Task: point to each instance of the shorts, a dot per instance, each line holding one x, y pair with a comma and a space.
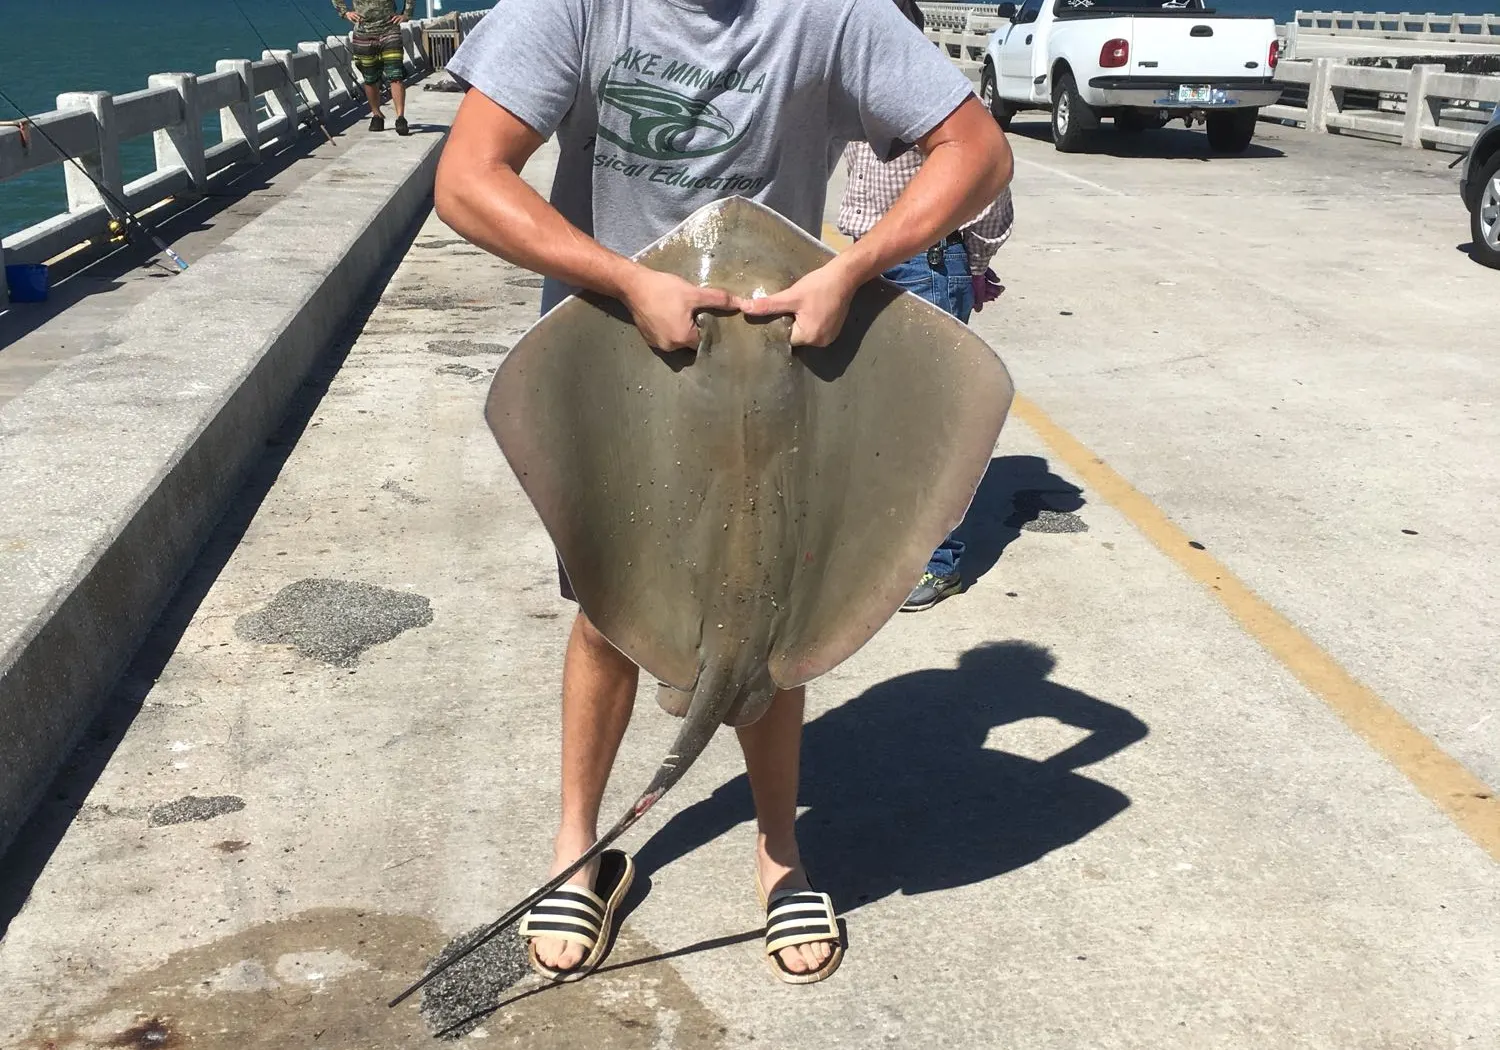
379, 53
564, 585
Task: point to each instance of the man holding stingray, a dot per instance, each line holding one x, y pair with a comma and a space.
660, 107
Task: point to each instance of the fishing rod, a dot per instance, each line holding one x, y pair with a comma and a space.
312, 112
115, 203
308, 19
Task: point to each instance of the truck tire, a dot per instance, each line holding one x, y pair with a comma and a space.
990, 96
1231, 131
1484, 220
1072, 117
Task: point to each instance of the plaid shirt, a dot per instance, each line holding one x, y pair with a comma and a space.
873, 187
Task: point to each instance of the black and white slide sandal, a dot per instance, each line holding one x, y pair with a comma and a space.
800, 917
581, 916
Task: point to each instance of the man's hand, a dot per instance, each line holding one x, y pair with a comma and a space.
818, 303
353, 16
663, 306
987, 287
399, 17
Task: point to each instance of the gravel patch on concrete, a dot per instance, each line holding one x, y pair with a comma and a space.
458, 1000
334, 621
192, 808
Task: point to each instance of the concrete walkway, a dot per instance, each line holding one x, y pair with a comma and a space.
1086, 804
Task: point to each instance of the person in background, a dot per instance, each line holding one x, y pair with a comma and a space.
953, 274
376, 42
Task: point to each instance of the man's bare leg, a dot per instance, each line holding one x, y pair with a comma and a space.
598, 692
398, 97
372, 95
772, 748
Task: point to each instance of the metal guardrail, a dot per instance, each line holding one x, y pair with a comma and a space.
258, 112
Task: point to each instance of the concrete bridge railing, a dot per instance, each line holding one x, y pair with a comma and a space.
258, 108
1402, 26
1481, 32
1427, 106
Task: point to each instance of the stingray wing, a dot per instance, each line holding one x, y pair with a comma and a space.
638, 466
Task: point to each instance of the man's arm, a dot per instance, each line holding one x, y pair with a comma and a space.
481, 195
985, 235
967, 163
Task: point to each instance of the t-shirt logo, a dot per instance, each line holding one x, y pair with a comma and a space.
665, 124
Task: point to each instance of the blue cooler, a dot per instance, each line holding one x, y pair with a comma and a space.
27, 282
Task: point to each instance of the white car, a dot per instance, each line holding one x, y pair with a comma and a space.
1141, 62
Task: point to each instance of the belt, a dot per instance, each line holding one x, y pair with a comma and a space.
936, 252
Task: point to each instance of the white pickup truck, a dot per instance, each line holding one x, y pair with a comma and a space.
1141, 62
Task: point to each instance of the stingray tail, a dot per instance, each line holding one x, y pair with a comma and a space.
703, 718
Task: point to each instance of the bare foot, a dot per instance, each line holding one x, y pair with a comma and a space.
781, 869
565, 955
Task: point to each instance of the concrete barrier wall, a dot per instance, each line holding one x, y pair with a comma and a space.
115, 467
1380, 25
259, 105
1424, 111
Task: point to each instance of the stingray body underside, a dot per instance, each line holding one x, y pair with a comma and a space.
747, 512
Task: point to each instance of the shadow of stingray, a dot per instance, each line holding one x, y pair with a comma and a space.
1011, 495
903, 795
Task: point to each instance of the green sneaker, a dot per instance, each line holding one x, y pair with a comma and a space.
930, 590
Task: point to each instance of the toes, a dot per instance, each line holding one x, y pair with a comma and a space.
559, 955
805, 958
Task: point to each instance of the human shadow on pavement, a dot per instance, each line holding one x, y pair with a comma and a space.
1015, 492
903, 795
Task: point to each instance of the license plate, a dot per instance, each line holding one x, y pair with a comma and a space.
1195, 93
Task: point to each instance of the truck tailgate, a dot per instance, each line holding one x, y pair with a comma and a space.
1200, 48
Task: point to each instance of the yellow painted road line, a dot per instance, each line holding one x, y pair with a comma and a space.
1458, 793
1466, 799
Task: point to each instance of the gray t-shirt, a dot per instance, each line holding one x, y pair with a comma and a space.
663, 106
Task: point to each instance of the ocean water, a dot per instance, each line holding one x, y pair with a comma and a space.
113, 45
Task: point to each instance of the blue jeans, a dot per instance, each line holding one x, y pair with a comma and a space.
950, 290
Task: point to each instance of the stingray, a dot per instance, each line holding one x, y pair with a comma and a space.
742, 517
